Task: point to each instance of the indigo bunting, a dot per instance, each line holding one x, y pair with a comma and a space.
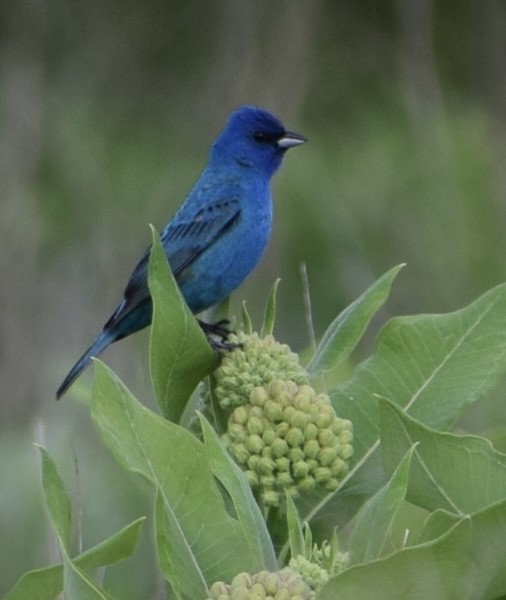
218, 234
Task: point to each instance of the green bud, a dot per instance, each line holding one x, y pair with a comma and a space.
254, 444
252, 478
338, 467
310, 431
284, 479
258, 396
240, 453
271, 583
294, 437
283, 463
326, 456
299, 419
267, 481
242, 579
237, 432
346, 436
279, 448
273, 411
307, 483
269, 436
324, 420
288, 414
331, 484
257, 592
271, 498
255, 425
322, 474
311, 449
253, 461
326, 438
219, 589
265, 466
282, 429
295, 454
346, 452
300, 469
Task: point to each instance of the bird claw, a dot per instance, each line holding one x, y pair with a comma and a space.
217, 335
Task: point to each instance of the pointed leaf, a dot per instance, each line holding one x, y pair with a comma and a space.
374, 521
439, 570
78, 586
235, 483
461, 474
175, 462
435, 366
179, 353
177, 559
57, 501
270, 311
346, 330
295, 534
45, 584
487, 552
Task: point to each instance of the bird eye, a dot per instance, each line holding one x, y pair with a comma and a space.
260, 136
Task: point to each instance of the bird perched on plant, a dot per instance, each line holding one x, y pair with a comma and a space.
218, 234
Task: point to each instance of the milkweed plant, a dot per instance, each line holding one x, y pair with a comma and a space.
272, 482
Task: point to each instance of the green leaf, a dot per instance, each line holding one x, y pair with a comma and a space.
270, 311
439, 570
57, 501
177, 559
175, 462
77, 585
45, 584
461, 474
347, 329
435, 367
373, 525
180, 356
235, 483
487, 551
39, 584
295, 534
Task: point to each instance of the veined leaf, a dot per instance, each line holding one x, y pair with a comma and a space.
433, 367
374, 521
346, 330
439, 570
179, 354
190, 505
460, 474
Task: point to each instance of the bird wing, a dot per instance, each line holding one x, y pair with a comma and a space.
184, 239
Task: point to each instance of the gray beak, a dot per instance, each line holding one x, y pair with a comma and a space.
290, 139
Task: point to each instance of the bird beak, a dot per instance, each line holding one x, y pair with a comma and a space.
290, 139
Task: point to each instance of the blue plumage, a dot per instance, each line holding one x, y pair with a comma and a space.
218, 234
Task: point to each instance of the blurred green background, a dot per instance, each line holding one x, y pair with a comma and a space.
107, 112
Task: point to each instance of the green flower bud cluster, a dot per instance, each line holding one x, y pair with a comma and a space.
288, 437
256, 363
282, 585
313, 574
330, 558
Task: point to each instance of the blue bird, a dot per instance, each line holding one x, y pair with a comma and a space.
219, 233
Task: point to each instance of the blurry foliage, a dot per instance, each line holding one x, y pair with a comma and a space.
106, 114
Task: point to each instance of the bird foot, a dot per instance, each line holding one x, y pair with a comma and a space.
217, 335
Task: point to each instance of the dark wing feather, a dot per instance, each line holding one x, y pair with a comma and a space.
183, 241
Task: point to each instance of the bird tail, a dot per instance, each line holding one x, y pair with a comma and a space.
98, 346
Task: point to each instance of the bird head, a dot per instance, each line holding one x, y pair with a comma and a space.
256, 139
